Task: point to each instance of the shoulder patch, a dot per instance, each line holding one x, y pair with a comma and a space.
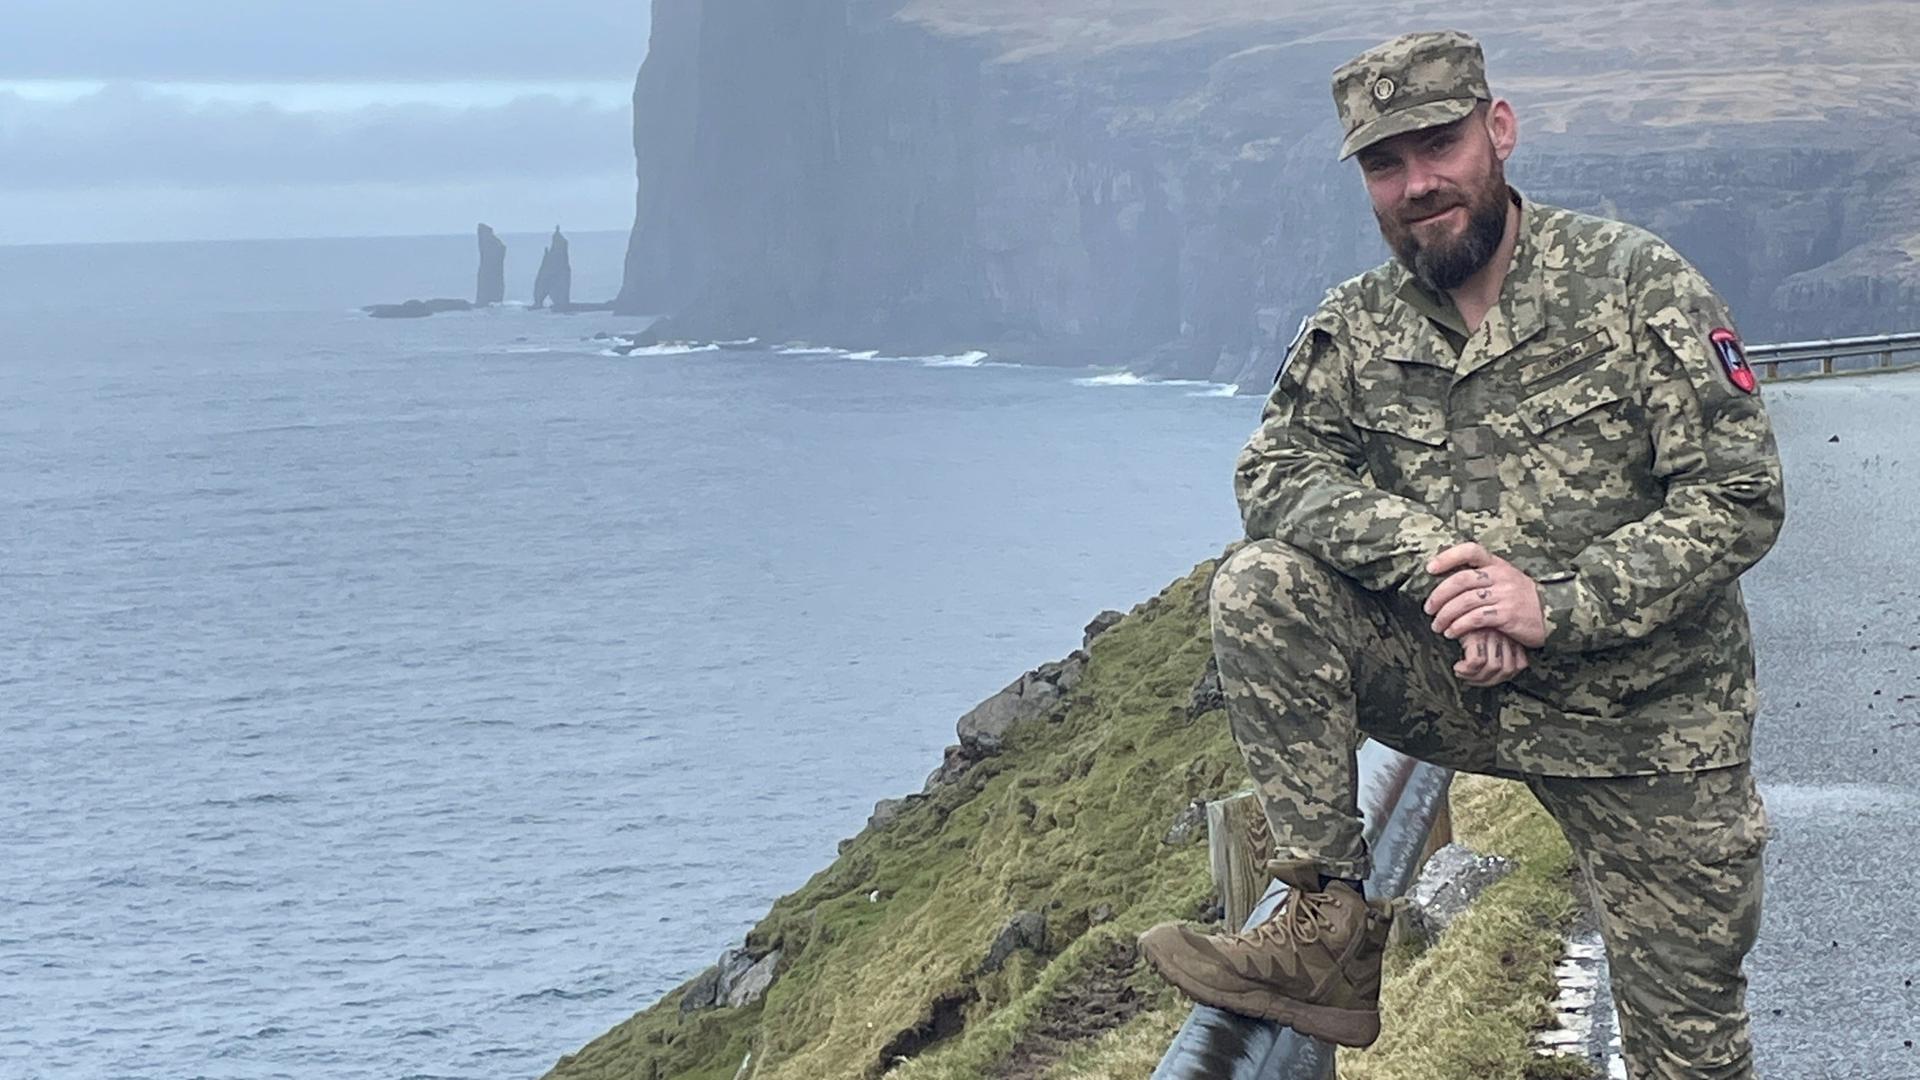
1293, 346
1733, 359
1317, 319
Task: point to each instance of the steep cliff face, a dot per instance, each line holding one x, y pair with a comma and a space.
1147, 183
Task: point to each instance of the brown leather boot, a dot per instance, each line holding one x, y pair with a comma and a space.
1314, 965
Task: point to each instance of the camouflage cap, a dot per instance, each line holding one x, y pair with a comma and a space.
1414, 81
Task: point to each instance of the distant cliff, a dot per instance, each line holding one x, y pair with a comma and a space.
1152, 182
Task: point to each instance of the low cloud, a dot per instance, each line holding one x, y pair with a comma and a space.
254, 40
130, 135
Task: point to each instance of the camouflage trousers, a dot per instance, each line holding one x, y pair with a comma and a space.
1310, 661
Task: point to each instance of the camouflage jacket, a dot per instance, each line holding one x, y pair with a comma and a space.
1590, 435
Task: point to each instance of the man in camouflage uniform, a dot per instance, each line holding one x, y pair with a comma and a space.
1497, 505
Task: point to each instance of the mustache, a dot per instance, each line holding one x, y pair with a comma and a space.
1429, 206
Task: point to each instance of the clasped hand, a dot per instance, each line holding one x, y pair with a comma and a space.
1491, 607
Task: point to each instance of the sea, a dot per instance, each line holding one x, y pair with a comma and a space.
387, 699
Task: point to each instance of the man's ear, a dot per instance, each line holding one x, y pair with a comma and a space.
1503, 128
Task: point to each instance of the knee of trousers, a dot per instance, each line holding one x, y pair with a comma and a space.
1269, 581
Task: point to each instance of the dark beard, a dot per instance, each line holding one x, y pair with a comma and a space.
1447, 265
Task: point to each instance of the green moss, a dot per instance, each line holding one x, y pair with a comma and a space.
1068, 819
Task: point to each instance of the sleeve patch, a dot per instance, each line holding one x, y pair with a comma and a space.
1293, 346
1733, 360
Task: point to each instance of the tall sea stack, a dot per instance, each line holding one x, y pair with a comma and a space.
555, 278
491, 288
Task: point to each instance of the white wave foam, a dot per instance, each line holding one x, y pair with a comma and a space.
516, 350
1114, 378
810, 350
671, 348
1217, 390
1128, 378
741, 341
966, 359
870, 354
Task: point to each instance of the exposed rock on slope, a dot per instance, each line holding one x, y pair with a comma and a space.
1152, 183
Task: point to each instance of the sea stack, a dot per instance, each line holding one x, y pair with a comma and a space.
555, 277
491, 287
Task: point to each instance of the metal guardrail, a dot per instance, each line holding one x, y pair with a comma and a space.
1836, 356
1399, 797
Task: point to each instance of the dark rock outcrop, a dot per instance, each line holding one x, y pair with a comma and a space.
737, 980
1100, 624
416, 309
1153, 183
1026, 930
554, 280
490, 286
1208, 694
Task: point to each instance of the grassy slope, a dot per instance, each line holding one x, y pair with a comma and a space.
1067, 820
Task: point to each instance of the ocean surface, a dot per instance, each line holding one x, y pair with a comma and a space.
421, 698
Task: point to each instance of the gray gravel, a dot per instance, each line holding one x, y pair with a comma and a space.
1836, 610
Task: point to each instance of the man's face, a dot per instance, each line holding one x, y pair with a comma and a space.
1440, 195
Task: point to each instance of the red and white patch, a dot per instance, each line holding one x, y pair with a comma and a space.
1733, 360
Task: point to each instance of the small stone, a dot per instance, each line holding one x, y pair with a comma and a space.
752, 984
702, 994
1452, 879
885, 811
1026, 930
1101, 623
1191, 823
1207, 693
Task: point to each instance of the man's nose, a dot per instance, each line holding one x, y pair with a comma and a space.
1422, 181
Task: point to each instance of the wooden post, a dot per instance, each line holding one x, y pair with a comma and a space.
1238, 847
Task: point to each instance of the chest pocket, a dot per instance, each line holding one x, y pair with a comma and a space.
1402, 422
1549, 410
1590, 450
1419, 420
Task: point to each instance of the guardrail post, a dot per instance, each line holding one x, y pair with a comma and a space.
1238, 847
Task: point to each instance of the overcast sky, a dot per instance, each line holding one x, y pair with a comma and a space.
197, 119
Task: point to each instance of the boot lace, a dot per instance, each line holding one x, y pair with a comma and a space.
1304, 918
